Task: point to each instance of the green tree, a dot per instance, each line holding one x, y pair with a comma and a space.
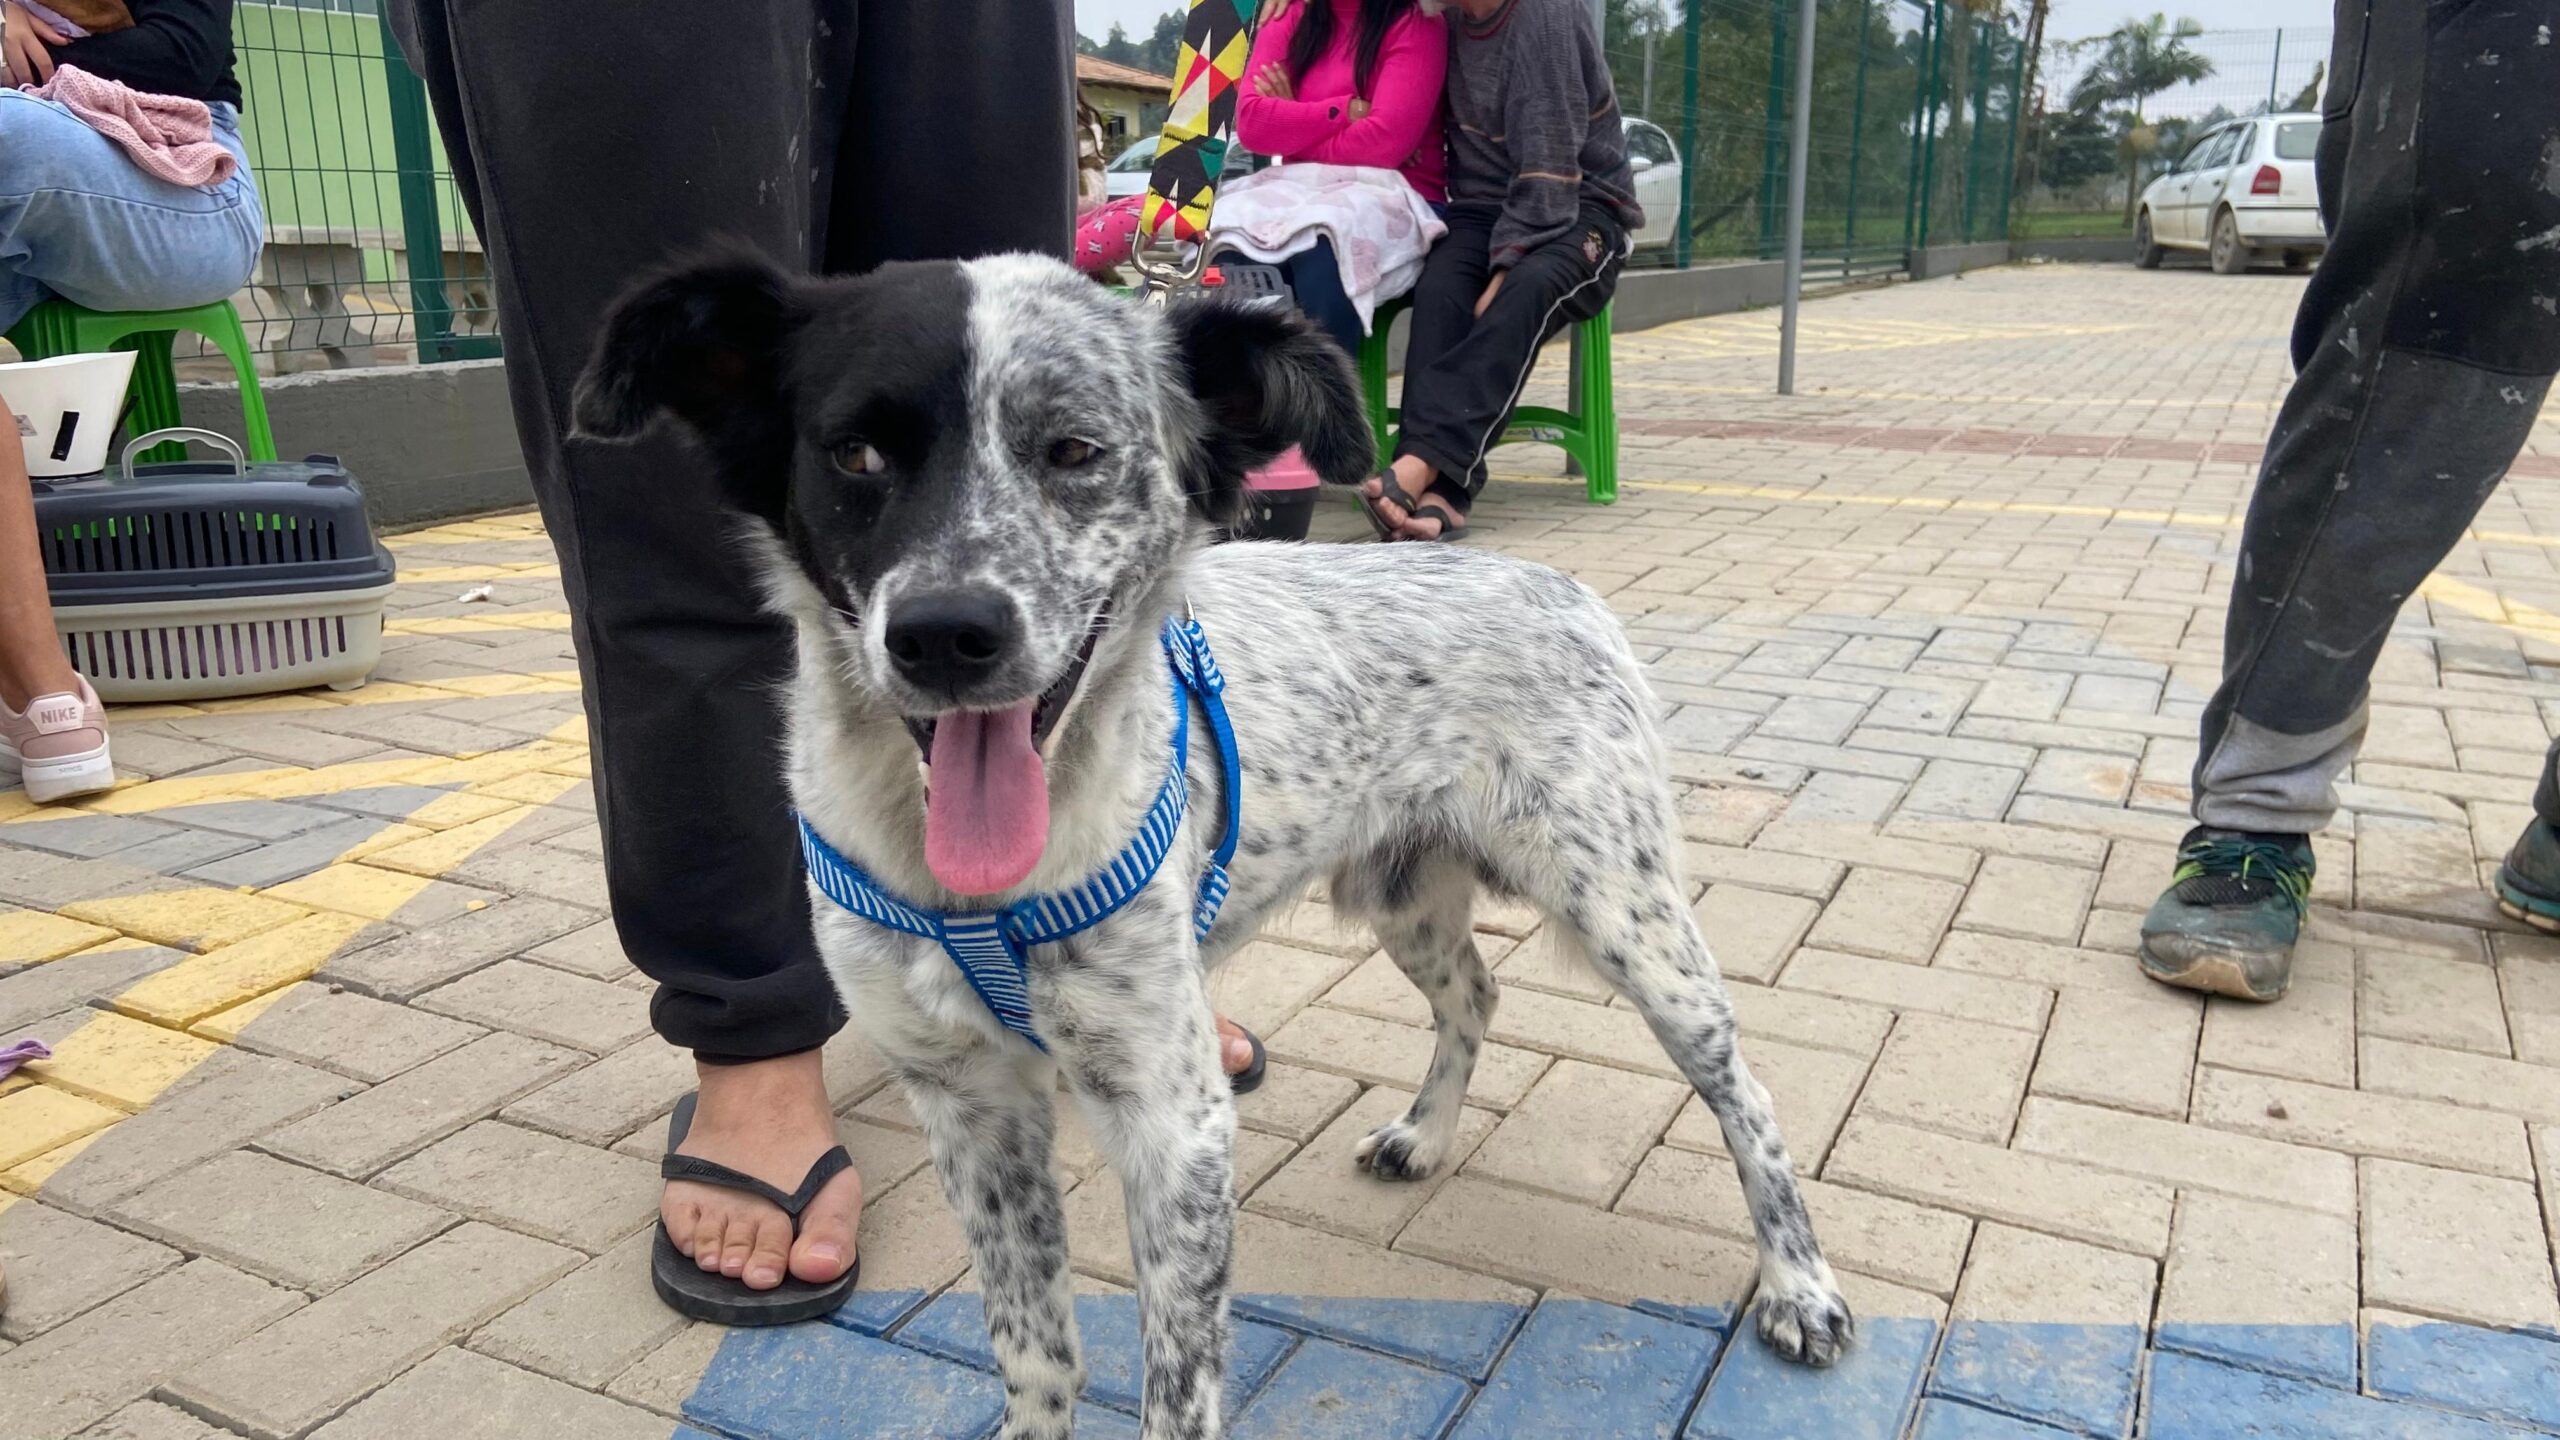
2138, 60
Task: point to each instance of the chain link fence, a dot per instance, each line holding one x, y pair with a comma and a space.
371, 260
1915, 124
2083, 164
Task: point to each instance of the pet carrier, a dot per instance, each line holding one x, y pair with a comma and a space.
194, 581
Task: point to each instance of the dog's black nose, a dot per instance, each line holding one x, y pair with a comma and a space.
946, 640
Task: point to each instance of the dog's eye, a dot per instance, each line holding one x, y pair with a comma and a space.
1074, 454
856, 457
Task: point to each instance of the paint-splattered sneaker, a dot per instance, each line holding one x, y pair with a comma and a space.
2228, 920
2528, 884
57, 746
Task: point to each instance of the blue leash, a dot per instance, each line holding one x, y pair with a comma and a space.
991, 946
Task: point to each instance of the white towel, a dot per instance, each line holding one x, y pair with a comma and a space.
1379, 227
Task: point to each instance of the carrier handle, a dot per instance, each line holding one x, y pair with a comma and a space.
214, 438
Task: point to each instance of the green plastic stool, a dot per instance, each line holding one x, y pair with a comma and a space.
58, 327
1588, 432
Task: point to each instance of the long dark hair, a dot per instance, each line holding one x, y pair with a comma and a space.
1315, 35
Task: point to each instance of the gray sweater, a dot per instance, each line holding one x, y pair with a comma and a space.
1534, 123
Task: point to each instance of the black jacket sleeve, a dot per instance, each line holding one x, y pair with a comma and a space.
175, 47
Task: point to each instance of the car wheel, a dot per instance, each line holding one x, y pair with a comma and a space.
2146, 251
2230, 256
2298, 259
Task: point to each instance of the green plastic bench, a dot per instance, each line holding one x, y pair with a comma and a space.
1588, 432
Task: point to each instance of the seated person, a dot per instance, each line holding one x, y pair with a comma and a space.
1347, 82
80, 215
1541, 205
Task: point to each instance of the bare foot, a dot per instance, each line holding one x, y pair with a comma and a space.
768, 1119
1414, 476
1234, 1051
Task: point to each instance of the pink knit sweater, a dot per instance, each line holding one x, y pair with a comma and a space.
1401, 132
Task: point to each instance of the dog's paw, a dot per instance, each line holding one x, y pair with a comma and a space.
1397, 1151
1807, 1322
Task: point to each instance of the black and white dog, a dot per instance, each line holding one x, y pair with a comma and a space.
979, 490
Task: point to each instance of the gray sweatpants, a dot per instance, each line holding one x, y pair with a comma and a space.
2425, 346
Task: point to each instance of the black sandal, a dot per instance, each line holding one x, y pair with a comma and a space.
1422, 507
701, 1294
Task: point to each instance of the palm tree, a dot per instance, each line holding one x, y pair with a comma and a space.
2138, 60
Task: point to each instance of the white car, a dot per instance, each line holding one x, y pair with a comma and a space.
2246, 186
1650, 153
1656, 162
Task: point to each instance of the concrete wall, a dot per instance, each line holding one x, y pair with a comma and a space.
433, 441
1942, 260
426, 441
2097, 249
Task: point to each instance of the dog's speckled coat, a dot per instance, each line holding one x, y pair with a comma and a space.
1417, 723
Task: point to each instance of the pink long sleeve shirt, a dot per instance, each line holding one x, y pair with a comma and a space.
1402, 131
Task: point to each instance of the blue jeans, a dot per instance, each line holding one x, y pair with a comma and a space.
80, 220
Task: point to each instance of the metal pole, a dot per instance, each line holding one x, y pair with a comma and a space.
2017, 109
1919, 95
1773, 129
1688, 132
2273, 71
1857, 143
413, 151
1799, 143
1929, 155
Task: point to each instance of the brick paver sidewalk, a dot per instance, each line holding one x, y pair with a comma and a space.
355, 1109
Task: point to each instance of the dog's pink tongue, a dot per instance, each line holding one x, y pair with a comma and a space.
987, 814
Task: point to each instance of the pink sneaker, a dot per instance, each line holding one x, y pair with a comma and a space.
58, 747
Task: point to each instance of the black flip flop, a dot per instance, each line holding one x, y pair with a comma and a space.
701, 1294
1249, 1079
1418, 507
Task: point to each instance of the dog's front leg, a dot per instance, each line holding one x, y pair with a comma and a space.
988, 1112
1145, 1066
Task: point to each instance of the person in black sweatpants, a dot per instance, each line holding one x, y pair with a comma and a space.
592, 142
1540, 204
2426, 345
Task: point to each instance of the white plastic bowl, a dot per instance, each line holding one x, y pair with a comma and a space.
66, 409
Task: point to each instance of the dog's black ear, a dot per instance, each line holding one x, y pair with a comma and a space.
1267, 379
701, 341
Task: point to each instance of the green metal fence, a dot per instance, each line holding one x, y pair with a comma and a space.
369, 257
371, 260
1914, 124
2080, 163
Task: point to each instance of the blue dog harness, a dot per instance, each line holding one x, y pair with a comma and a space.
991, 946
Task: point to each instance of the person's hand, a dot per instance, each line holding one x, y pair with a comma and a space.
1486, 299
1273, 81
25, 39
1359, 107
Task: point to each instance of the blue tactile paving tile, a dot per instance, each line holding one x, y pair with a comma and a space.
821, 1382
2323, 1353
1593, 1371
1867, 1396
1333, 1392
2077, 1376
1460, 1336
2195, 1399
2497, 1373
1949, 1420
955, 1327
872, 1312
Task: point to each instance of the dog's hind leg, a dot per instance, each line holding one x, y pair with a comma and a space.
1422, 910
1634, 923
989, 1114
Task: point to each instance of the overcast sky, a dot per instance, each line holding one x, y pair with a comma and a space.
2071, 20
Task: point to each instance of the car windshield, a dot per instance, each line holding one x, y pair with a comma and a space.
1137, 158
2297, 140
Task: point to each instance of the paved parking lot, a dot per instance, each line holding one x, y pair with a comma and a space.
353, 1118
